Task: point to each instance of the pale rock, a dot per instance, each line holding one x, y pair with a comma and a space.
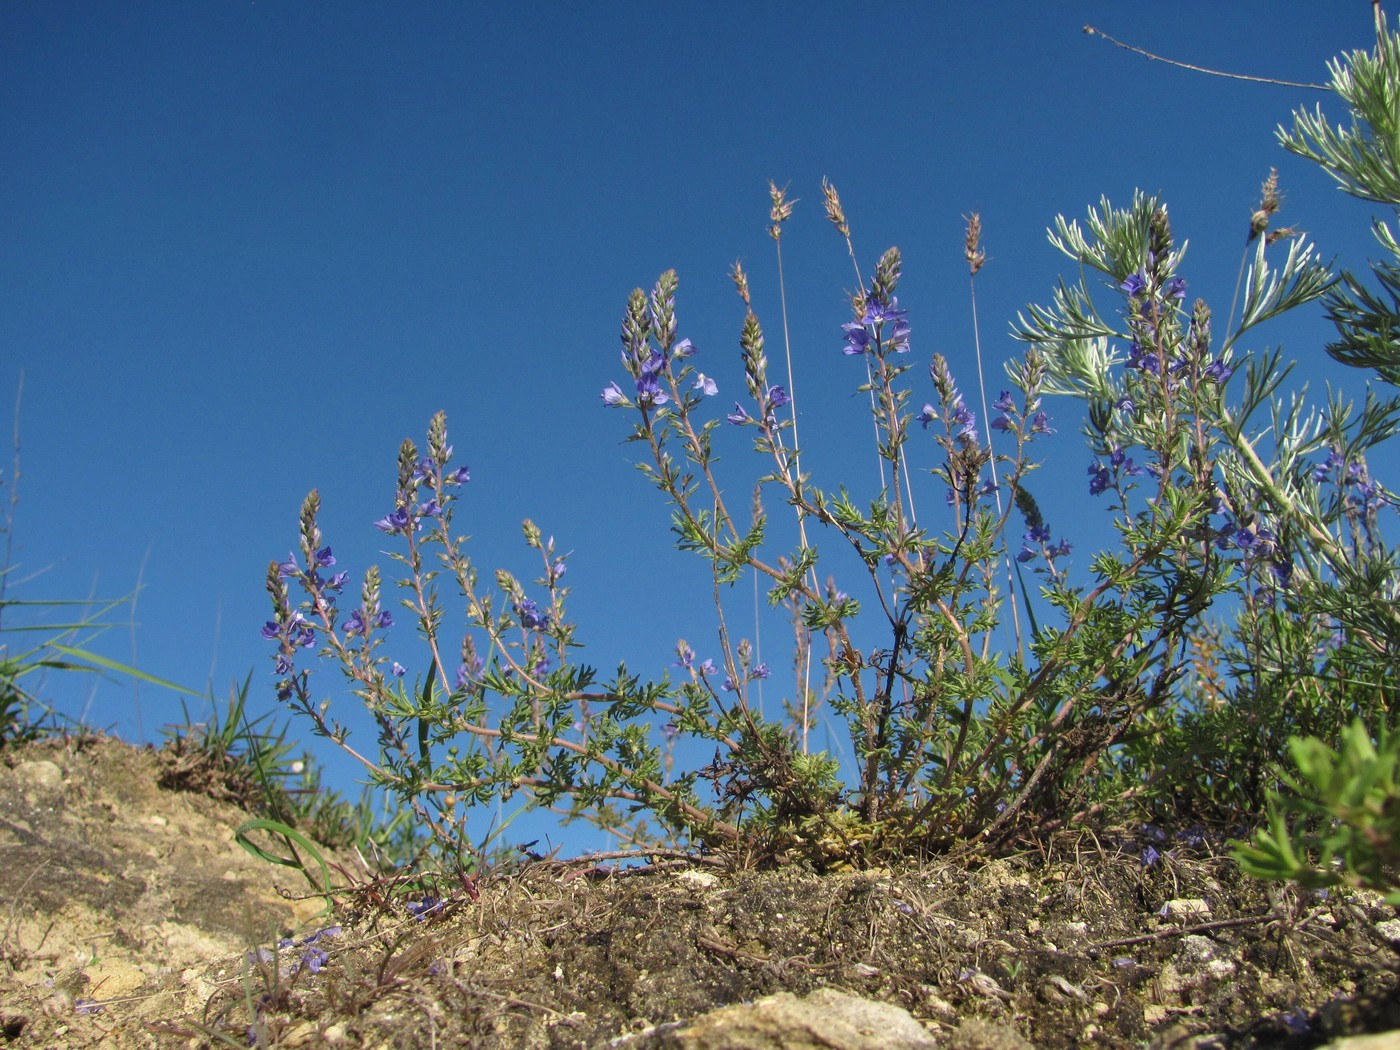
824, 1020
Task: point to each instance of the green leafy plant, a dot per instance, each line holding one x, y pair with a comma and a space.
1346, 809
1227, 495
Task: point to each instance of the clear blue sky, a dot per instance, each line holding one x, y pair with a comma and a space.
247, 247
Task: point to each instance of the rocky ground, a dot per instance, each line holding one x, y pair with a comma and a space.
129, 917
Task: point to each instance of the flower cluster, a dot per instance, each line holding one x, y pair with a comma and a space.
757, 674
408, 513
1104, 476
685, 660
1036, 539
1363, 496
1260, 545
1011, 421
647, 319
867, 334
359, 622
291, 628
313, 955
531, 618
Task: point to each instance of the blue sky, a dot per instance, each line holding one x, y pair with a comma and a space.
248, 247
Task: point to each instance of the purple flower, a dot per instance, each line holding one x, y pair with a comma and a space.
354, 625
1150, 856
1145, 361
288, 568
613, 395
857, 338
429, 905
708, 667
686, 654
739, 417
1135, 285
1175, 288
325, 558
730, 686
649, 391
314, 959
1004, 402
384, 619
399, 521
760, 672
928, 415
460, 476
878, 312
1100, 478
271, 631
683, 349
899, 342
964, 420
1218, 371
530, 616
706, 385
398, 669
777, 396
1001, 423
466, 676
1120, 461
1040, 424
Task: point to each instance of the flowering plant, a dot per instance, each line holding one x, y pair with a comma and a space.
987, 709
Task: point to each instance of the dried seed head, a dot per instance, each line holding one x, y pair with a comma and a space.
972, 250
1269, 201
781, 210
1274, 236
741, 282
834, 211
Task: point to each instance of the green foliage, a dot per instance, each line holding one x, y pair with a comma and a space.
1347, 817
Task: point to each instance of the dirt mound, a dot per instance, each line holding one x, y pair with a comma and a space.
116, 892
131, 918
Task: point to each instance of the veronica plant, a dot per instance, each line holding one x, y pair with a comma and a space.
1225, 495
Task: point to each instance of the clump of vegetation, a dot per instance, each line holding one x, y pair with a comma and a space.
1020, 684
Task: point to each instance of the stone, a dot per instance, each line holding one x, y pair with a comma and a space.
824, 1020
